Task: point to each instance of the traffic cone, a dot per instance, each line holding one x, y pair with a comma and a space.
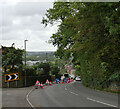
68, 81
61, 81
50, 83
41, 85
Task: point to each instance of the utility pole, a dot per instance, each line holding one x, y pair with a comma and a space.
25, 60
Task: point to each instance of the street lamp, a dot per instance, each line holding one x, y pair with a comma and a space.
25, 60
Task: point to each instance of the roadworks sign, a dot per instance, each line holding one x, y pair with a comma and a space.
47, 81
37, 83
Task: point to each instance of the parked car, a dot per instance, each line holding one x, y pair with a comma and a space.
78, 78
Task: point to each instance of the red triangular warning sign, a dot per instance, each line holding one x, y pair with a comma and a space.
37, 83
47, 81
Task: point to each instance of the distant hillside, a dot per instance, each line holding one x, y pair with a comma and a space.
40, 56
39, 53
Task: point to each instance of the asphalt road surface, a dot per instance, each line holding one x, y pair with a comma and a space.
71, 95
58, 95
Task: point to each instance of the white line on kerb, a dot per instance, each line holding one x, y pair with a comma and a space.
101, 102
27, 98
73, 93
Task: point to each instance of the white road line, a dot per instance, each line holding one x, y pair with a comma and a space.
65, 88
27, 98
102, 102
73, 93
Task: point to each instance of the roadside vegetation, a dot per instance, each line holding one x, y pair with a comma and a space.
90, 34
12, 62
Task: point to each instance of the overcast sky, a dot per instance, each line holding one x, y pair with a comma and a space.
21, 19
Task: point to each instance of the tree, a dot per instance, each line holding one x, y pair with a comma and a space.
11, 58
45, 67
90, 32
55, 70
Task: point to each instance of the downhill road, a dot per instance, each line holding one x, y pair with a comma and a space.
71, 95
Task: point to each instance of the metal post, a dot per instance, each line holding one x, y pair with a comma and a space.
16, 84
8, 84
25, 61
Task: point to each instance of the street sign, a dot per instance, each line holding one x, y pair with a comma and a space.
47, 81
11, 77
37, 83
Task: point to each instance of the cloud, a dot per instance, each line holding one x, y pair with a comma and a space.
22, 20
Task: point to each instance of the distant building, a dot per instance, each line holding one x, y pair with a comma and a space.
30, 63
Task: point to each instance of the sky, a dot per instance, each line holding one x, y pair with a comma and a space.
21, 20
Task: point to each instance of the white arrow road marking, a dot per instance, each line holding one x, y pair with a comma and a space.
16, 76
101, 102
9, 77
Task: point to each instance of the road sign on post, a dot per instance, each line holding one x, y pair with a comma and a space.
37, 83
11, 77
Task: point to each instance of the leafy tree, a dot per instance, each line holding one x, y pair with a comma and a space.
54, 70
11, 58
90, 32
45, 67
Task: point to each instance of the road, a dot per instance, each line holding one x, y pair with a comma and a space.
59, 95
71, 95
0, 98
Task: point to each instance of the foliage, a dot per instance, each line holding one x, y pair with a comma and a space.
54, 70
90, 32
11, 58
45, 68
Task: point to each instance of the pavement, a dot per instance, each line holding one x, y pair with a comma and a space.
59, 95
15, 97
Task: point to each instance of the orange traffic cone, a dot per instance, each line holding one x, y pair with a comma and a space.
41, 85
68, 81
50, 83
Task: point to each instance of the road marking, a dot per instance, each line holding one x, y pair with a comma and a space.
65, 88
102, 102
73, 93
27, 98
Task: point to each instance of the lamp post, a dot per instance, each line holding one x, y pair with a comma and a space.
25, 60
